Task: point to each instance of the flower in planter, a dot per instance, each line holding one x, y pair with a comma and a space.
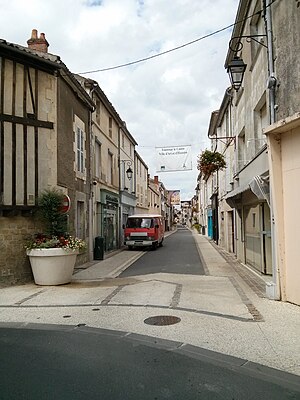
55, 225
67, 242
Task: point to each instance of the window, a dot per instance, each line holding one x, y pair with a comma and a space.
110, 127
123, 141
98, 159
241, 150
80, 150
256, 28
261, 120
140, 223
98, 110
253, 220
110, 168
80, 220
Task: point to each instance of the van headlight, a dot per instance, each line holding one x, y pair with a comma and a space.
150, 237
127, 238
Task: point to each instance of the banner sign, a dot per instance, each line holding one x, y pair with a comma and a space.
174, 197
173, 158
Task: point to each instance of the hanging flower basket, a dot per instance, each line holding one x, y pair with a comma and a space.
209, 162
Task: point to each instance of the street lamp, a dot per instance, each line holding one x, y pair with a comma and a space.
128, 171
236, 70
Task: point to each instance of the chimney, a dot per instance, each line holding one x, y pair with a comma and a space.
156, 179
38, 44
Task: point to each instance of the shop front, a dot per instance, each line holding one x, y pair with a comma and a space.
127, 207
109, 223
253, 224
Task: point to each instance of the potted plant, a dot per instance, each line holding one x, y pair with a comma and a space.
53, 253
210, 161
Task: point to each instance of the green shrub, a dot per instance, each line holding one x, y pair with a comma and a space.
49, 211
198, 227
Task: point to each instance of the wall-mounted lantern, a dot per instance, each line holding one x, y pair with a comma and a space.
236, 68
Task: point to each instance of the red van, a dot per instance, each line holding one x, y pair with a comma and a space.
144, 230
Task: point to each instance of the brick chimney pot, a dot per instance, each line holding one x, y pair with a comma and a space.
38, 44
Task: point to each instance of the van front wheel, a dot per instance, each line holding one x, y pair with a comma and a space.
154, 246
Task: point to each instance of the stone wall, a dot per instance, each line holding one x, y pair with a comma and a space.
14, 264
286, 22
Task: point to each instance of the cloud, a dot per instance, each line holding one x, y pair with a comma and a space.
94, 3
165, 101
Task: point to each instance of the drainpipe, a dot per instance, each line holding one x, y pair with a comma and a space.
273, 288
120, 196
91, 191
272, 79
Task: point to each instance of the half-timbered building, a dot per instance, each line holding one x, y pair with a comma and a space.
45, 119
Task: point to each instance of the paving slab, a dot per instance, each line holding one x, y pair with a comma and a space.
218, 312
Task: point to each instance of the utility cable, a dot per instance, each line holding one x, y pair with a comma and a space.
174, 48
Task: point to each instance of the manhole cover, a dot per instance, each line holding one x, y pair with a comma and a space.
161, 320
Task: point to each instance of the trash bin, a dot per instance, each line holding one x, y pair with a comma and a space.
99, 248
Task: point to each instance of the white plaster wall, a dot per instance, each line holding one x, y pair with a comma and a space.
141, 185
290, 146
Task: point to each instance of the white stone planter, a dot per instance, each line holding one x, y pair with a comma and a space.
52, 266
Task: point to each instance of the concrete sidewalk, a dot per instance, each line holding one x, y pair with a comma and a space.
224, 311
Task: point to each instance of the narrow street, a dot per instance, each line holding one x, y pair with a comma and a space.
179, 321
149, 183
178, 255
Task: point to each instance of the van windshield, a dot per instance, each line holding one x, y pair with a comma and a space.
139, 223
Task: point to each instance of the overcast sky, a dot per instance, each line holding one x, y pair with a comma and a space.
165, 101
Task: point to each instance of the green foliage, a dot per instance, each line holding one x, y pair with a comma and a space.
50, 202
210, 161
55, 225
197, 227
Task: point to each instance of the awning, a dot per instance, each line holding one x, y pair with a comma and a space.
259, 186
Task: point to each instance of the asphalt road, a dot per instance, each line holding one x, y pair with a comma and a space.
179, 255
87, 363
